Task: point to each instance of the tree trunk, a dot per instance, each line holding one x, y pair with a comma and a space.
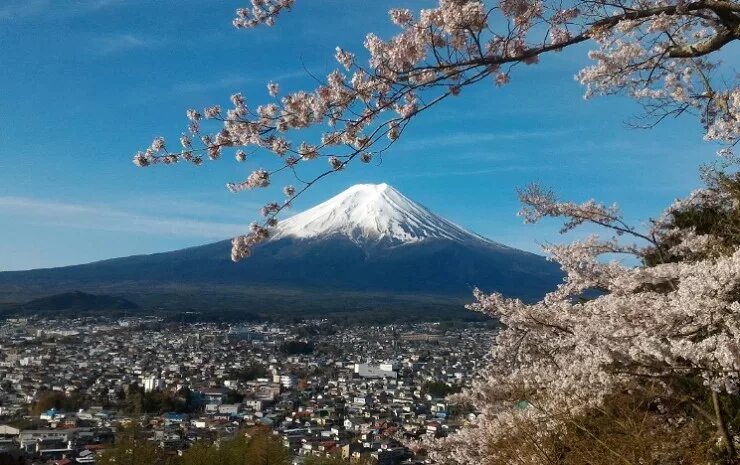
722, 428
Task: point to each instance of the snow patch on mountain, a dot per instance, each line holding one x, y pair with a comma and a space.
372, 213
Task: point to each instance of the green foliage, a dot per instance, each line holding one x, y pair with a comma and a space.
307, 331
256, 447
250, 372
138, 402
326, 461
264, 448
439, 389
20, 423
234, 397
297, 348
227, 303
336, 460
632, 427
57, 400
132, 447
201, 452
720, 220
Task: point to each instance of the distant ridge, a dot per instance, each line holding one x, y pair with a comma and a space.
76, 301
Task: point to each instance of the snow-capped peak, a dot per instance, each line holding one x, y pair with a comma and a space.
368, 213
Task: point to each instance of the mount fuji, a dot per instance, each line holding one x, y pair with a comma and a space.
371, 214
367, 245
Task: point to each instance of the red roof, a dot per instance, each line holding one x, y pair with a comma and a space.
329, 444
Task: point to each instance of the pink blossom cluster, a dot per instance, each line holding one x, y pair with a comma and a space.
539, 203
258, 178
688, 243
662, 59
261, 12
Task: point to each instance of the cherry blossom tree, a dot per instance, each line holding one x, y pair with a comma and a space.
676, 320
660, 52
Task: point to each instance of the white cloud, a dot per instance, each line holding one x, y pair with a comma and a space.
232, 81
121, 42
205, 86
444, 172
23, 9
96, 217
464, 138
20, 9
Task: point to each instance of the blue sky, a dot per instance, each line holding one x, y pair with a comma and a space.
86, 83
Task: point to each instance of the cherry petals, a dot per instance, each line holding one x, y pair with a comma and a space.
262, 12
273, 89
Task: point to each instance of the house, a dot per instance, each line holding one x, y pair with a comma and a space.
214, 395
9, 432
391, 456
50, 415
229, 409
253, 404
86, 456
172, 418
34, 436
384, 370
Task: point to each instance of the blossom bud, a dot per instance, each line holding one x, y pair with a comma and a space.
336, 164
273, 89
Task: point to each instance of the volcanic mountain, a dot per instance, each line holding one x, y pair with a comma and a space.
372, 214
368, 240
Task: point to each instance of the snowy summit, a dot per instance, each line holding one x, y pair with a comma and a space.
372, 213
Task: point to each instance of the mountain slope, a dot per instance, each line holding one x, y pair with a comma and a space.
369, 238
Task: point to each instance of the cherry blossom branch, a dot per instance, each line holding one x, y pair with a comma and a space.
539, 203
437, 53
261, 12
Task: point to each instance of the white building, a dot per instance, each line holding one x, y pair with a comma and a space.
229, 409
254, 404
288, 381
152, 383
384, 370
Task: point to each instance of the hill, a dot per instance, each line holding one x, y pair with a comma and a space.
75, 301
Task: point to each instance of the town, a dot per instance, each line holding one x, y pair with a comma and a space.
324, 389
